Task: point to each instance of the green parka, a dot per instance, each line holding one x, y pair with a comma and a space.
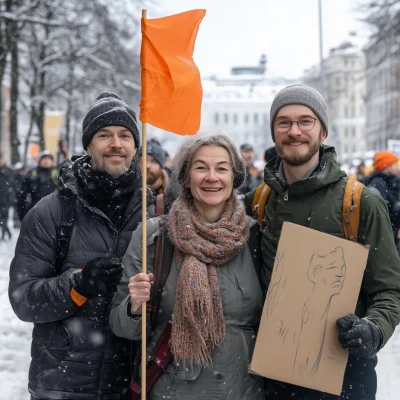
316, 202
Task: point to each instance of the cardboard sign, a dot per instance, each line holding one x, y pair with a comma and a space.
316, 280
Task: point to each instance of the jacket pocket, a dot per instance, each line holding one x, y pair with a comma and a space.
52, 340
179, 371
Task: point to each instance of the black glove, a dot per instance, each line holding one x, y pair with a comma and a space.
361, 337
100, 276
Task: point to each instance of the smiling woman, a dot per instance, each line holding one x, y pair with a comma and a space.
212, 291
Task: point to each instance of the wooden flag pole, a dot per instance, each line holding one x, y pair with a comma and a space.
144, 242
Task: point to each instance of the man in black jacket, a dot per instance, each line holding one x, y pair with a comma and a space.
38, 183
74, 353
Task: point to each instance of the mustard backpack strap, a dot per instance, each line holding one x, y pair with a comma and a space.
260, 200
351, 208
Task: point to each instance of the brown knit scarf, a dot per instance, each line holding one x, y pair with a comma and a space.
198, 320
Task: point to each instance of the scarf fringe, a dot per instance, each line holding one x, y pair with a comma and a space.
198, 323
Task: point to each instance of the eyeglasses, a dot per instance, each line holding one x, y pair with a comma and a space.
305, 124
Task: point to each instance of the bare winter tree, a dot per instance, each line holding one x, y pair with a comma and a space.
63, 53
383, 71
383, 16
12, 18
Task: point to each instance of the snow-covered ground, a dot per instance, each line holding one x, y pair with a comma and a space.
15, 340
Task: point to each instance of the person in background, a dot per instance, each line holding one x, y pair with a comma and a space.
20, 172
38, 183
157, 176
212, 296
385, 179
253, 176
7, 196
361, 171
75, 356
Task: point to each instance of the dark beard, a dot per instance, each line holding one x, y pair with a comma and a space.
295, 161
152, 179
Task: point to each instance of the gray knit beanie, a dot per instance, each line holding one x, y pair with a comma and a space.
300, 94
109, 110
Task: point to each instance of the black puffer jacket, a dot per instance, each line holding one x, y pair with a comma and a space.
37, 183
388, 187
74, 353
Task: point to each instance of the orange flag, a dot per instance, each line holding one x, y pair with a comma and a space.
171, 85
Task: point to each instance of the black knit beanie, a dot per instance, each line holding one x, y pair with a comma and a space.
155, 150
109, 110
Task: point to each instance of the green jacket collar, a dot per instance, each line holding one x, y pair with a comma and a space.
327, 172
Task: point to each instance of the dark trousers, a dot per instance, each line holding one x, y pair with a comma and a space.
360, 383
4, 230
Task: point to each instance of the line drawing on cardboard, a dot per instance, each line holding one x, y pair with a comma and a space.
276, 286
327, 274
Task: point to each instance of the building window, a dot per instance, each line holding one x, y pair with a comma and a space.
353, 131
346, 132
346, 111
246, 118
235, 118
216, 118
266, 119
226, 118
255, 117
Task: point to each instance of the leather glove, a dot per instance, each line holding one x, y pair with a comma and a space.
100, 276
361, 337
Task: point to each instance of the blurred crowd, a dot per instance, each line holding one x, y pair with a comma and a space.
23, 187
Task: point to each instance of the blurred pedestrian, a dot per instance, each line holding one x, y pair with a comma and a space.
7, 196
38, 183
90, 221
361, 171
19, 174
212, 296
253, 175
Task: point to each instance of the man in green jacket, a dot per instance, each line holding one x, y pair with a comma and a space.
307, 189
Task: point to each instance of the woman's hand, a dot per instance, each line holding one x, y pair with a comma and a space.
139, 290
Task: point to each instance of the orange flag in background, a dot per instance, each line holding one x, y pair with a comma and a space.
171, 85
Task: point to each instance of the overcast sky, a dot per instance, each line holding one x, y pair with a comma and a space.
285, 30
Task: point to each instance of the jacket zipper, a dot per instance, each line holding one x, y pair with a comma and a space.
286, 195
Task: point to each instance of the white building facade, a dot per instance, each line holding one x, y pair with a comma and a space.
344, 89
383, 94
238, 105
